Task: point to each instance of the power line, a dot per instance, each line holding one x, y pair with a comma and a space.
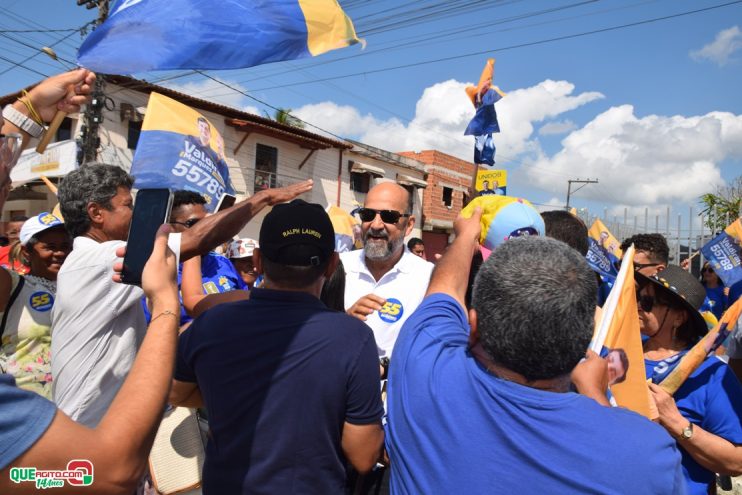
510, 47
418, 39
366, 147
38, 30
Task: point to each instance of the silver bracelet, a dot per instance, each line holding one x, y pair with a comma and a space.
22, 122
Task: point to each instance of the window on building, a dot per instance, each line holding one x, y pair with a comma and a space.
135, 128
359, 182
410, 199
65, 130
448, 196
266, 165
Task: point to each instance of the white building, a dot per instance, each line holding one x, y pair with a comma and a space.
259, 151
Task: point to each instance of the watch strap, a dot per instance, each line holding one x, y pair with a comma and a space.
687, 432
23, 122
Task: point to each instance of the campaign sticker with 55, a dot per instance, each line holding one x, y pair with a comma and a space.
79, 472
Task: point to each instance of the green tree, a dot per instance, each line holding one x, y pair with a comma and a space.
283, 116
722, 207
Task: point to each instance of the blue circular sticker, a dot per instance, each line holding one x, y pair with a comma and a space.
391, 311
41, 301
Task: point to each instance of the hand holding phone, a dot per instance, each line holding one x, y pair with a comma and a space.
151, 209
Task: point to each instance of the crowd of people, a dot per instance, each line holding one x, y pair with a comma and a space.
357, 372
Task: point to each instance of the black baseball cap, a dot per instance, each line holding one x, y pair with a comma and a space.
298, 234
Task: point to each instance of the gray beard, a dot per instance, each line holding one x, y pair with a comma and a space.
381, 251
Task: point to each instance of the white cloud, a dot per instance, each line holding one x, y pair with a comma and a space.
210, 90
557, 127
720, 51
442, 113
644, 161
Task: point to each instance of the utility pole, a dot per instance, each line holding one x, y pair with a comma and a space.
577, 181
89, 141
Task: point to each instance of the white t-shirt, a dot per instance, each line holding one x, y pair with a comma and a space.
403, 287
97, 328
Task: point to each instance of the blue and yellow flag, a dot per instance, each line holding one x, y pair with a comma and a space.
347, 229
180, 149
724, 254
145, 35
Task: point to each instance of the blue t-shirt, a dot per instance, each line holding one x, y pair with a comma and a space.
712, 399
716, 301
24, 417
735, 292
455, 428
218, 275
279, 373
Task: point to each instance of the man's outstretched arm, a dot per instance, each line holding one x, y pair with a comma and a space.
119, 446
221, 227
451, 273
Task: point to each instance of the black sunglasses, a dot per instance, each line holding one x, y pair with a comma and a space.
387, 216
637, 266
647, 302
188, 223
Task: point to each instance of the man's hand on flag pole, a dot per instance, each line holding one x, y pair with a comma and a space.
590, 377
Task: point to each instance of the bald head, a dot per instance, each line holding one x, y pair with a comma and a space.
391, 194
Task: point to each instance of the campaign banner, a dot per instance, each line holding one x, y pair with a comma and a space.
600, 233
492, 182
601, 261
723, 253
179, 149
347, 229
619, 338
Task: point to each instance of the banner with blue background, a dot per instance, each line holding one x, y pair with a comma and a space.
179, 149
723, 253
145, 35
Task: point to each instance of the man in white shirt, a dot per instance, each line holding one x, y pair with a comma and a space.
98, 325
384, 281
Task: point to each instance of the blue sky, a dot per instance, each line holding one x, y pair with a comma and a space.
654, 111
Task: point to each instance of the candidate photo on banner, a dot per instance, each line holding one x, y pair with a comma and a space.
492, 182
724, 254
180, 149
606, 240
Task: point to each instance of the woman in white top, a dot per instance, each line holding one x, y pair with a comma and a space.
26, 302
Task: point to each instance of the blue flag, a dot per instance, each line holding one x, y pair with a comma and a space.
485, 118
179, 149
601, 261
484, 149
723, 253
145, 35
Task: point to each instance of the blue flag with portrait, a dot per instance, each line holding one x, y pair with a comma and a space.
723, 253
179, 149
601, 261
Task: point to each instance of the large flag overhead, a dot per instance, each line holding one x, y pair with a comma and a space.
145, 35
619, 337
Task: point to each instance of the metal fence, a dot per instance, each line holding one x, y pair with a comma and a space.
685, 233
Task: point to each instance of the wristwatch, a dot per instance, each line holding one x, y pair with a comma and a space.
686, 433
22, 122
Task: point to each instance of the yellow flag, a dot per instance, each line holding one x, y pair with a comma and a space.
620, 325
735, 229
